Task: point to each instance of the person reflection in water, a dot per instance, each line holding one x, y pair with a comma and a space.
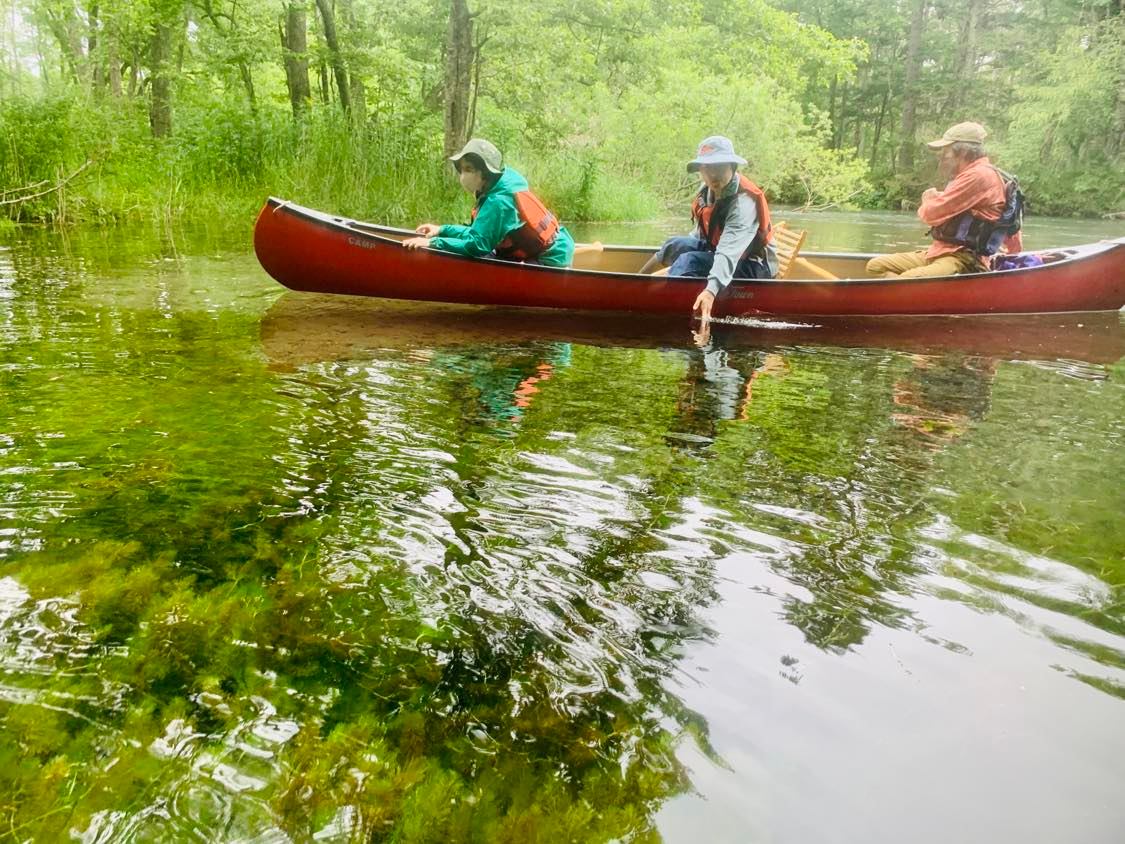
504, 385
719, 384
943, 396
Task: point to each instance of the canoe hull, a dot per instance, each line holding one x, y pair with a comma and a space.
309, 251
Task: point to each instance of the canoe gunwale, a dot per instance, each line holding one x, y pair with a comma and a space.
1074, 254
309, 250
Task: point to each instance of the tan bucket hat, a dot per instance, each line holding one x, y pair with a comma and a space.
487, 153
965, 133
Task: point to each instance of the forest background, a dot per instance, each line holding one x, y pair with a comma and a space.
112, 110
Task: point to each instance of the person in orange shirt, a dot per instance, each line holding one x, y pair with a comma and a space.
975, 196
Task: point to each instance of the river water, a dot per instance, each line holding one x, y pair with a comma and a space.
276, 567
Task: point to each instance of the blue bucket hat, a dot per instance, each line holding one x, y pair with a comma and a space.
714, 150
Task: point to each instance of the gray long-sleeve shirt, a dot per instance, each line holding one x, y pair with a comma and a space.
738, 233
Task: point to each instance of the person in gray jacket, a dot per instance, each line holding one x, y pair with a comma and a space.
733, 236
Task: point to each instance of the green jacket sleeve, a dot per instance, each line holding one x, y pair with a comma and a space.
453, 231
496, 217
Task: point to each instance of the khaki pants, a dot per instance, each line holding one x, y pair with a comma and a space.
917, 265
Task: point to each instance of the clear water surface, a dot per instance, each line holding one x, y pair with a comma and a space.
291, 568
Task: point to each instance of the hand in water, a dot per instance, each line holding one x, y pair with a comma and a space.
702, 337
416, 243
428, 230
703, 303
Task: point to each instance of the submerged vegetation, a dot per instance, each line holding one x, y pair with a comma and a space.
192, 108
448, 592
257, 586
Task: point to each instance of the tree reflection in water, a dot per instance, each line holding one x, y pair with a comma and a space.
429, 579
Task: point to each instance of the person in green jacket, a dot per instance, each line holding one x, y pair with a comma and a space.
508, 222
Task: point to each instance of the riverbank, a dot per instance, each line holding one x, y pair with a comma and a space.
828, 231
88, 162
73, 161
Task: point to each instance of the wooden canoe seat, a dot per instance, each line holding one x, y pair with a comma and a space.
788, 243
588, 256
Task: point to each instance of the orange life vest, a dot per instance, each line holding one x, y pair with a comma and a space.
712, 218
536, 234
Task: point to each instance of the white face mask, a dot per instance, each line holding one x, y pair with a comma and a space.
471, 180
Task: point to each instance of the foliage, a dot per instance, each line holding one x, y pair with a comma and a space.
601, 101
592, 135
1027, 72
1069, 146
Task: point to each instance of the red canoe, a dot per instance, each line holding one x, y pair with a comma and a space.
311, 251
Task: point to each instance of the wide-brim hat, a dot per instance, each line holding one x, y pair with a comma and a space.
485, 151
963, 133
715, 150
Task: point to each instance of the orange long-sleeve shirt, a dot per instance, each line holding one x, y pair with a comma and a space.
977, 189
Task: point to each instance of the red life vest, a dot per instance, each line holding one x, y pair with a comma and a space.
536, 234
712, 218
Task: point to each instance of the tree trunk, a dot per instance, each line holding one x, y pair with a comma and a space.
96, 64
67, 32
295, 46
39, 54
1116, 144
328, 19
181, 51
879, 126
841, 118
910, 89
968, 56
134, 74
860, 99
160, 54
472, 120
229, 33
247, 75
832, 105
12, 51
458, 76
966, 59
356, 89
113, 67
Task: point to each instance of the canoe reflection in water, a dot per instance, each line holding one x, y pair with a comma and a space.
760, 398
303, 328
506, 356
778, 509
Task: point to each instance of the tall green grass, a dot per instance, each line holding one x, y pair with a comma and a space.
224, 160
